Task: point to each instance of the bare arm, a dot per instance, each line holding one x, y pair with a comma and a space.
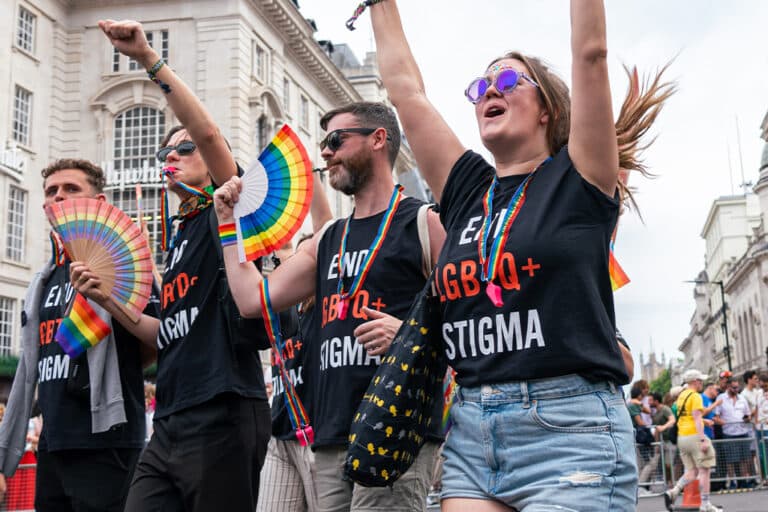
289, 284
592, 141
319, 209
128, 37
629, 362
434, 144
436, 235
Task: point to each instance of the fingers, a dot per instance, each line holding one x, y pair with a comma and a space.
373, 313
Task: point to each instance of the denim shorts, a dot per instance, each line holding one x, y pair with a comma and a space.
541, 445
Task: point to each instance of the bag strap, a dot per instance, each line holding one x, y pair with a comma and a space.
679, 413
423, 228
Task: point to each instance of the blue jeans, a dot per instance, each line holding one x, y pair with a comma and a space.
541, 445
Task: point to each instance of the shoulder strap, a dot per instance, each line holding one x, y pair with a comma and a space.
682, 408
423, 227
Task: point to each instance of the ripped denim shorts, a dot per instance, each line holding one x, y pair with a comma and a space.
541, 445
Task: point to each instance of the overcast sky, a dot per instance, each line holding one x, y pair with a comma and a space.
722, 73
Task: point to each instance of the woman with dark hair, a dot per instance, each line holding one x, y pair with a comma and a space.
528, 315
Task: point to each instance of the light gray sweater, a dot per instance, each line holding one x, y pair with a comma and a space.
107, 408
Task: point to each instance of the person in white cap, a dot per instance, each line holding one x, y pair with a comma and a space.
696, 449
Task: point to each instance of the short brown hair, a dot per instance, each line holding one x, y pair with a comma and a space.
371, 115
94, 174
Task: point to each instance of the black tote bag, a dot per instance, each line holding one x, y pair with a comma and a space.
391, 423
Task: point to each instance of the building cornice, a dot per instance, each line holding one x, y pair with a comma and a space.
298, 34
716, 205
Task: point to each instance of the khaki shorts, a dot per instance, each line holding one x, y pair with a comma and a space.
692, 455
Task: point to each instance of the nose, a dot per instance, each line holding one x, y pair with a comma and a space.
173, 156
492, 91
326, 154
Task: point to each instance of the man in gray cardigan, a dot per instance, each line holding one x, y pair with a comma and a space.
92, 406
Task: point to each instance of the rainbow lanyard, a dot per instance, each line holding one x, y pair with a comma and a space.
357, 283
296, 412
202, 198
490, 265
58, 250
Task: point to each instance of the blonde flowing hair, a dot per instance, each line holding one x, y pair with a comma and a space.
642, 105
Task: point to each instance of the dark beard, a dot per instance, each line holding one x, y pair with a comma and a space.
355, 174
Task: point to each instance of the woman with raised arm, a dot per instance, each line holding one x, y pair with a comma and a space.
528, 321
212, 419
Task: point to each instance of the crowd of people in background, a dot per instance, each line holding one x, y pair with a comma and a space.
734, 414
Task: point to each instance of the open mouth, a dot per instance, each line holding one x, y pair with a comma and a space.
494, 111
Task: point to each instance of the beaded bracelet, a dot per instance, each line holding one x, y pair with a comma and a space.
227, 234
152, 74
359, 10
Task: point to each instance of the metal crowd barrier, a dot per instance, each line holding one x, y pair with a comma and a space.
20, 489
741, 462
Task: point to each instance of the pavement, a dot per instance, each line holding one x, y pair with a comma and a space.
747, 500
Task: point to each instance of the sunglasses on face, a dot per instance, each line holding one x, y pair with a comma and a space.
186, 147
505, 82
334, 140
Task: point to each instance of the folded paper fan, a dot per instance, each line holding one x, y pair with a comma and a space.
113, 247
274, 201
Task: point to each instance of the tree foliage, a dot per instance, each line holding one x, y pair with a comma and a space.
662, 383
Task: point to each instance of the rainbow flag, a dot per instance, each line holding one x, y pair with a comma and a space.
81, 329
618, 277
449, 389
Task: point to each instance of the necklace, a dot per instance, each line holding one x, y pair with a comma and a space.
489, 265
357, 283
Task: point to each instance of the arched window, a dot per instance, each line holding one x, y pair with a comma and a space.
137, 134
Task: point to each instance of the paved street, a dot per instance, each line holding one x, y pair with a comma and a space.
746, 501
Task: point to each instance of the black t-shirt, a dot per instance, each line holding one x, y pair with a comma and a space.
394, 280
299, 367
558, 316
196, 357
66, 413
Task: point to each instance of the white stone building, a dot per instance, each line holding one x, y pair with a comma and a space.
64, 92
747, 285
737, 266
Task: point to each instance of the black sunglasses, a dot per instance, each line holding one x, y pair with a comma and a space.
334, 140
186, 147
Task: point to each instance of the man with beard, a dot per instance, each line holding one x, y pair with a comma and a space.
364, 272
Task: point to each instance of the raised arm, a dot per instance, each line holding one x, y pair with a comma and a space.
592, 140
319, 209
129, 38
434, 144
289, 284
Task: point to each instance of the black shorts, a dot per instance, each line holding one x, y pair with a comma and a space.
207, 457
84, 480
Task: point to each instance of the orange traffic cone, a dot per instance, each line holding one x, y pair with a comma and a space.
692, 495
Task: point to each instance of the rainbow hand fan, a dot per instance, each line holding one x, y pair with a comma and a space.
106, 239
274, 201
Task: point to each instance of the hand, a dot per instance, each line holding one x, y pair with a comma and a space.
87, 283
376, 334
224, 199
708, 423
3, 487
129, 39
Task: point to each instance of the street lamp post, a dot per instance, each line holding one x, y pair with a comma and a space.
725, 317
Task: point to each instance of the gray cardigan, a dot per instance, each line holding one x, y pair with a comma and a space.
107, 408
